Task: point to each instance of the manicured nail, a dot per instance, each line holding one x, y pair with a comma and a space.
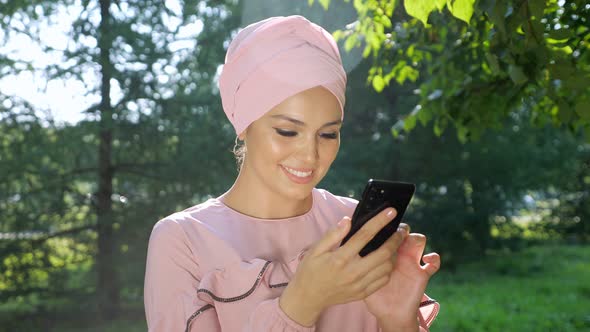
404, 227
391, 213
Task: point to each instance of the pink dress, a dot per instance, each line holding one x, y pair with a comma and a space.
211, 268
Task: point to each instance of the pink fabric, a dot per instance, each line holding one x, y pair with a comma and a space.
210, 268
271, 60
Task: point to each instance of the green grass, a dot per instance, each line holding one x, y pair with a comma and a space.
538, 289
542, 288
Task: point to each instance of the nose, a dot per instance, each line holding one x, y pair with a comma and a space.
309, 150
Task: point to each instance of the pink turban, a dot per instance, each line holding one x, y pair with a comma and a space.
274, 59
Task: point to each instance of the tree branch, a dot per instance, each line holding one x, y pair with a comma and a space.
70, 231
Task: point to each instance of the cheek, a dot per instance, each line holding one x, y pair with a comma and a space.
329, 152
272, 146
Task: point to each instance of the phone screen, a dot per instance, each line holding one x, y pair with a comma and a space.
377, 196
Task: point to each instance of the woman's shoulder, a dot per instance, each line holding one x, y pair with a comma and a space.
189, 223
194, 231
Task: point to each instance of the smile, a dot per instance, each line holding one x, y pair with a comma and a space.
297, 176
297, 173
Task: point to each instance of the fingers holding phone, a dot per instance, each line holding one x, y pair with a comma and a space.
366, 233
377, 196
330, 275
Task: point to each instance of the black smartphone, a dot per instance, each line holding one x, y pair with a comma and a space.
377, 196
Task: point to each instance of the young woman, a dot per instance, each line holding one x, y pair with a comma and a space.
265, 255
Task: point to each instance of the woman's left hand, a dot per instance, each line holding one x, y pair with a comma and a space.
398, 301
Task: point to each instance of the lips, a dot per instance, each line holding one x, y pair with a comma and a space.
300, 176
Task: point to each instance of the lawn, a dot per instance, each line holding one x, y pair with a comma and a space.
543, 288
539, 289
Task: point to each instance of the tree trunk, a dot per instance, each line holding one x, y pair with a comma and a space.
108, 286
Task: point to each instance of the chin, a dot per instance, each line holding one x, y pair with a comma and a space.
303, 194
297, 191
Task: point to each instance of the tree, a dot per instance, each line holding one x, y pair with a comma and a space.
493, 58
151, 66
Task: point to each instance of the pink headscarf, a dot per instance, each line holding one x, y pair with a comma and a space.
274, 59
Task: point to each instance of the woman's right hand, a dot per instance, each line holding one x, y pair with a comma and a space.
330, 275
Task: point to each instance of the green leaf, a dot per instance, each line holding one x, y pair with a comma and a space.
461, 9
409, 123
440, 4
378, 83
462, 132
367, 51
389, 7
310, 3
351, 42
338, 34
438, 130
386, 21
566, 49
325, 3
424, 116
517, 74
361, 7
397, 127
373, 39
407, 73
561, 34
420, 9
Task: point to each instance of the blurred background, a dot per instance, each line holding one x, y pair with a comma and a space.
110, 119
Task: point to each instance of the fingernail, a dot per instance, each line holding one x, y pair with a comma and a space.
341, 223
391, 213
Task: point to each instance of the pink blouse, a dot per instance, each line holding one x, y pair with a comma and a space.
211, 268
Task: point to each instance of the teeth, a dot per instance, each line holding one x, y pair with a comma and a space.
298, 173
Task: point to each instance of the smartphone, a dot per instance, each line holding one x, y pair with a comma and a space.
377, 196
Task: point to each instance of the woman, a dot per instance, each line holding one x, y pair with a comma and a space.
265, 255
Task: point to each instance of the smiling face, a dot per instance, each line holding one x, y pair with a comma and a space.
291, 148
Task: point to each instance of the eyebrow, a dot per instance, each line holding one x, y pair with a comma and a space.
301, 123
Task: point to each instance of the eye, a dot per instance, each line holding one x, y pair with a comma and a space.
286, 133
333, 135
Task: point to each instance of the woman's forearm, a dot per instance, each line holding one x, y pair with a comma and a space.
297, 307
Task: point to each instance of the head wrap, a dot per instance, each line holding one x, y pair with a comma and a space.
274, 59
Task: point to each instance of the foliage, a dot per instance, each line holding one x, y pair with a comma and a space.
465, 190
170, 142
539, 289
499, 56
38, 199
151, 67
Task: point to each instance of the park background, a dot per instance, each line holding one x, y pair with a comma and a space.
110, 119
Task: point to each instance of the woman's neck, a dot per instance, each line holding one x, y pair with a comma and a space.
259, 201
